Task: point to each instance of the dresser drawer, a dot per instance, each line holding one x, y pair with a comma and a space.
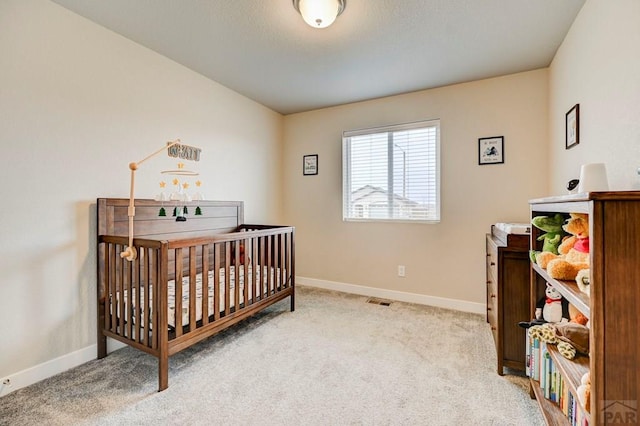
492, 316
492, 259
492, 295
492, 308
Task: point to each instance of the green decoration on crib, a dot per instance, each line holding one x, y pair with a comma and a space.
185, 211
198, 211
162, 212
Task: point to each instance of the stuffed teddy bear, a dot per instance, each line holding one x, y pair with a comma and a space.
577, 317
573, 251
584, 391
553, 233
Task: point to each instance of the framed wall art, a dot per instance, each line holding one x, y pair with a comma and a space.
572, 127
310, 165
491, 150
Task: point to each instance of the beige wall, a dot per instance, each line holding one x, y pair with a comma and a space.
443, 260
598, 66
77, 104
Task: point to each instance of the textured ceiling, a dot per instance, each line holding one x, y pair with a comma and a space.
264, 50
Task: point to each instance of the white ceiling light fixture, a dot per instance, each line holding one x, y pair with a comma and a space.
319, 13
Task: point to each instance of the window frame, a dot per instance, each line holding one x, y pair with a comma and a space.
390, 129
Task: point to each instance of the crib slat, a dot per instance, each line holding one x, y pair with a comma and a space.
160, 332
292, 270
227, 278
128, 314
155, 307
115, 291
283, 262
144, 302
205, 284
248, 272
178, 292
192, 288
278, 269
261, 266
121, 305
109, 267
236, 270
268, 277
254, 269
280, 266
285, 258
138, 273
245, 265
216, 282
288, 261
274, 260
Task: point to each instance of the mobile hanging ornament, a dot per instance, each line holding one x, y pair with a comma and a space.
180, 194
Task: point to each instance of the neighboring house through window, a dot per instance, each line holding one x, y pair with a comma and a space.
392, 173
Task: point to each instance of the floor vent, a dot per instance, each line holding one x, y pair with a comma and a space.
377, 301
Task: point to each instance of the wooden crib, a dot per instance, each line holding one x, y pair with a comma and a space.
191, 279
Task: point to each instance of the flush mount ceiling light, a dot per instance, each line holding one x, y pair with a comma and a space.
319, 13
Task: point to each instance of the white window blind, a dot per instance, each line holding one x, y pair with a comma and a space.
392, 173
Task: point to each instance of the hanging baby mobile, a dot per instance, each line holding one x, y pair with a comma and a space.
181, 188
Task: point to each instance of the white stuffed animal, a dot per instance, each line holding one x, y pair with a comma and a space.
584, 391
583, 281
552, 309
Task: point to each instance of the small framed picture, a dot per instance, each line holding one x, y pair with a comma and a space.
310, 164
491, 150
572, 127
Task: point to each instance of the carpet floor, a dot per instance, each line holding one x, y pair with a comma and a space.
336, 360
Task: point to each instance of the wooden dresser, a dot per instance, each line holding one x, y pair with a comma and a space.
508, 288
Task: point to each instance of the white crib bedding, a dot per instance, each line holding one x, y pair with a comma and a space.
171, 302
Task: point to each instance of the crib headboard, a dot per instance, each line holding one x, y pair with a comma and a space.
216, 217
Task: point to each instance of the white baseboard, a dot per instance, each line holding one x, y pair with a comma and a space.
47, 369
440, 302
55, 366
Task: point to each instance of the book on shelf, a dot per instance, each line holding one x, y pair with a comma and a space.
545, 373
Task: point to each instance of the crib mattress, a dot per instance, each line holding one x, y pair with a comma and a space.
138, 300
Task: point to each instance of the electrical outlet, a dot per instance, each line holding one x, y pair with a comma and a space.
401, 271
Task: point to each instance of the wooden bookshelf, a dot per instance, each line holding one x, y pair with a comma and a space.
551, 413
611, 306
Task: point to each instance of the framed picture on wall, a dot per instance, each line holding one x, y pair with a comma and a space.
491, 150
572, 127
310, 164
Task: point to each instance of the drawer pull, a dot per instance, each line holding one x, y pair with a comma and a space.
492, 296
489, 309
493, 263
493, 329
489, 281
